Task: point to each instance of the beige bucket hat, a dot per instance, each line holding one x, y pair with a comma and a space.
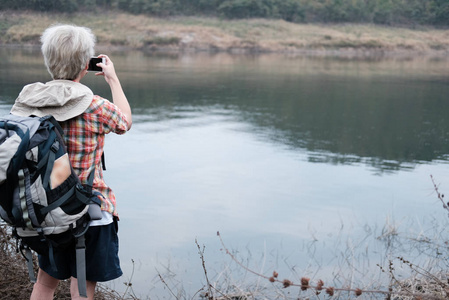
63, 99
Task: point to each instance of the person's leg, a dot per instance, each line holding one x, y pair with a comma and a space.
45, 286
102, 261
90, 286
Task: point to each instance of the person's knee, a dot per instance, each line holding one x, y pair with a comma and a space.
45, 287
46, 280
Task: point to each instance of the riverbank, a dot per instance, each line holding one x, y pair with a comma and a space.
191, 34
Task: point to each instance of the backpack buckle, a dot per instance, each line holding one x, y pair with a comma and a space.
55, 146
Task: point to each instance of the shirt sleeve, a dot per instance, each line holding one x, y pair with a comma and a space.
112, 118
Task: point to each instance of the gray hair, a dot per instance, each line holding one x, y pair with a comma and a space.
67, 50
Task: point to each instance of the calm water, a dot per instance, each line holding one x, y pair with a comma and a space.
294, 160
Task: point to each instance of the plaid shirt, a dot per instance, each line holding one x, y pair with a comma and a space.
84, 136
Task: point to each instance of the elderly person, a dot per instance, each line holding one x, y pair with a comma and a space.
86, 119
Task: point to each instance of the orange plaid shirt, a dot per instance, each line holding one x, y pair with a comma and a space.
84, 136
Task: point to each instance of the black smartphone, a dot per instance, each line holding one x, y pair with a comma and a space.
93, 64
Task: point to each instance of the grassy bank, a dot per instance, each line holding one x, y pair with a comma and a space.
128, 31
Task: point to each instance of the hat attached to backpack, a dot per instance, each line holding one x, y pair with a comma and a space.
63, 99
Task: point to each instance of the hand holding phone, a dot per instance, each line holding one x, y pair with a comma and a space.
93, 64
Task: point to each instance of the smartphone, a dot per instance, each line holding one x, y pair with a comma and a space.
93, 64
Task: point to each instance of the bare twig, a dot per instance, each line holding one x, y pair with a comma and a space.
197, 292
305, 282
167, 286
129, 283
439, 195
209, 287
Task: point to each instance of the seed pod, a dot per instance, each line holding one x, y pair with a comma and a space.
287, 283
304, 283
319, 285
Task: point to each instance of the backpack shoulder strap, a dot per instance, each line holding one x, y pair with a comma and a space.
52, 120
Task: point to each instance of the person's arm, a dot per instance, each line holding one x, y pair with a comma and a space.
118, 96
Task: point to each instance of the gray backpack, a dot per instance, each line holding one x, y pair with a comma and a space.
42, 199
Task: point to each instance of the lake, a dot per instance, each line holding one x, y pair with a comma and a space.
309, 166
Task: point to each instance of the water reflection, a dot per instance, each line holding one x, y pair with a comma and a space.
387, 114
269, 150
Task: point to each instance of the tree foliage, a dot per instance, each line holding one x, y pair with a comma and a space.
388, 12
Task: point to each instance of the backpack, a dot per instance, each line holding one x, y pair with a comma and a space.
42, 198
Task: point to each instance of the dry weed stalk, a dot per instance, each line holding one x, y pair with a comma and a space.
439, 195
129, 285
166, 285
305, 284
209, 294
128, 294
436, 285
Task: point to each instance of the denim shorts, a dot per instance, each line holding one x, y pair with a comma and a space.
102, 261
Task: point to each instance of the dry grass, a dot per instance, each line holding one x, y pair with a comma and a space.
426, 286
15, 283
214, 34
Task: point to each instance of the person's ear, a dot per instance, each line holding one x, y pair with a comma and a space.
82, 73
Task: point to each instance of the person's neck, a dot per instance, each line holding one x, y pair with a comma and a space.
80, 76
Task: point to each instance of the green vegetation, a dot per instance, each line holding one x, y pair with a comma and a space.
386, 12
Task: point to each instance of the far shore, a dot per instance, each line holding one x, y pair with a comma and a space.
122, 31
